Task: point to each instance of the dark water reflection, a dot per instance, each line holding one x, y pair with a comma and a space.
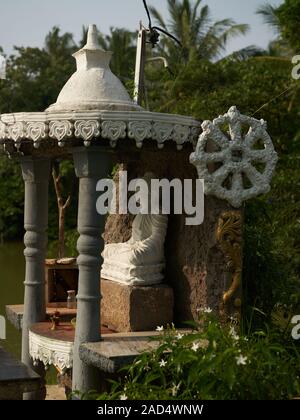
12, 269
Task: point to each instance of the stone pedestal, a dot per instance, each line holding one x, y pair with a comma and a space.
134, 308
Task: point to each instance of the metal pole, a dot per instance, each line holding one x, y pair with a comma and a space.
140, 67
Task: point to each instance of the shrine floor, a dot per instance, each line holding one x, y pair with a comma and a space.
55, 393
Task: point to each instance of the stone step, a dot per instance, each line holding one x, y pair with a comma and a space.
15, 378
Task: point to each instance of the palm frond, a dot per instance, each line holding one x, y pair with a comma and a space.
158, 17
245, 53
268, 13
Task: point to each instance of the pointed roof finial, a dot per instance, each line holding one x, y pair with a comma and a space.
92, 38
93, 86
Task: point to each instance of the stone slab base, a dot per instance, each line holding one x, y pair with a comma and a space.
134, 308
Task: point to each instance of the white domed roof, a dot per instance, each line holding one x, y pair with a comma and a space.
93, 86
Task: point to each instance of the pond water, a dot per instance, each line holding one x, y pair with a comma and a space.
12, 271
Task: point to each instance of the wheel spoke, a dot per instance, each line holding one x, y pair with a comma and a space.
237, 181
254, 175
215, 157
258, 155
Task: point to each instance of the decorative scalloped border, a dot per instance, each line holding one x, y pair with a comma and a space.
136, 126
50, 351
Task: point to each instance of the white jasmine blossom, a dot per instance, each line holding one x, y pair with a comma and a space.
179, 336
241, 360
175, 389
196, 346
160, 328
123, 397
233, 334
207, 310
162, 363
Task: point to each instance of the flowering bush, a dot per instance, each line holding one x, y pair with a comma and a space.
212, 362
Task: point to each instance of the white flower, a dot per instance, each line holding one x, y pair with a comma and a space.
233, 334
207, 310
179, 336
123, 397
241, 360
162, 363
196, 346
175, 389
160, 328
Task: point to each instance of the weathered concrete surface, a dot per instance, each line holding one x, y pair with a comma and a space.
55, 393
35, 173
90, 165
195, 266
117, 350
134, 308
15, 313
16, 378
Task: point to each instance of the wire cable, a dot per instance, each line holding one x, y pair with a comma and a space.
154, 35
148, 14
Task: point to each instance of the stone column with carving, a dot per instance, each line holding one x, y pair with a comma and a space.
36, 177
91, 165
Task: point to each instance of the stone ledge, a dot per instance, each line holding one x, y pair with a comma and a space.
118, 350
134, 308
15, 378
15, 313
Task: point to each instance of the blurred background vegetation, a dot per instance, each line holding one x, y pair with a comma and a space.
200, 81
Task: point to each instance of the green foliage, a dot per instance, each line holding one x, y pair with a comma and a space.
35, 76
192, 25
289, 17
11, 200
285, 22
213, 363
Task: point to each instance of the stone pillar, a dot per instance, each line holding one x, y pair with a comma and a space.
36, 177
91, 165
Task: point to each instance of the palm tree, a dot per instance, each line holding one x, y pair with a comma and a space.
123, 45
58, 45
192, 25
268, 12
279, 47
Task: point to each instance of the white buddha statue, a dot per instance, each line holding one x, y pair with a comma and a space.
140, 261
